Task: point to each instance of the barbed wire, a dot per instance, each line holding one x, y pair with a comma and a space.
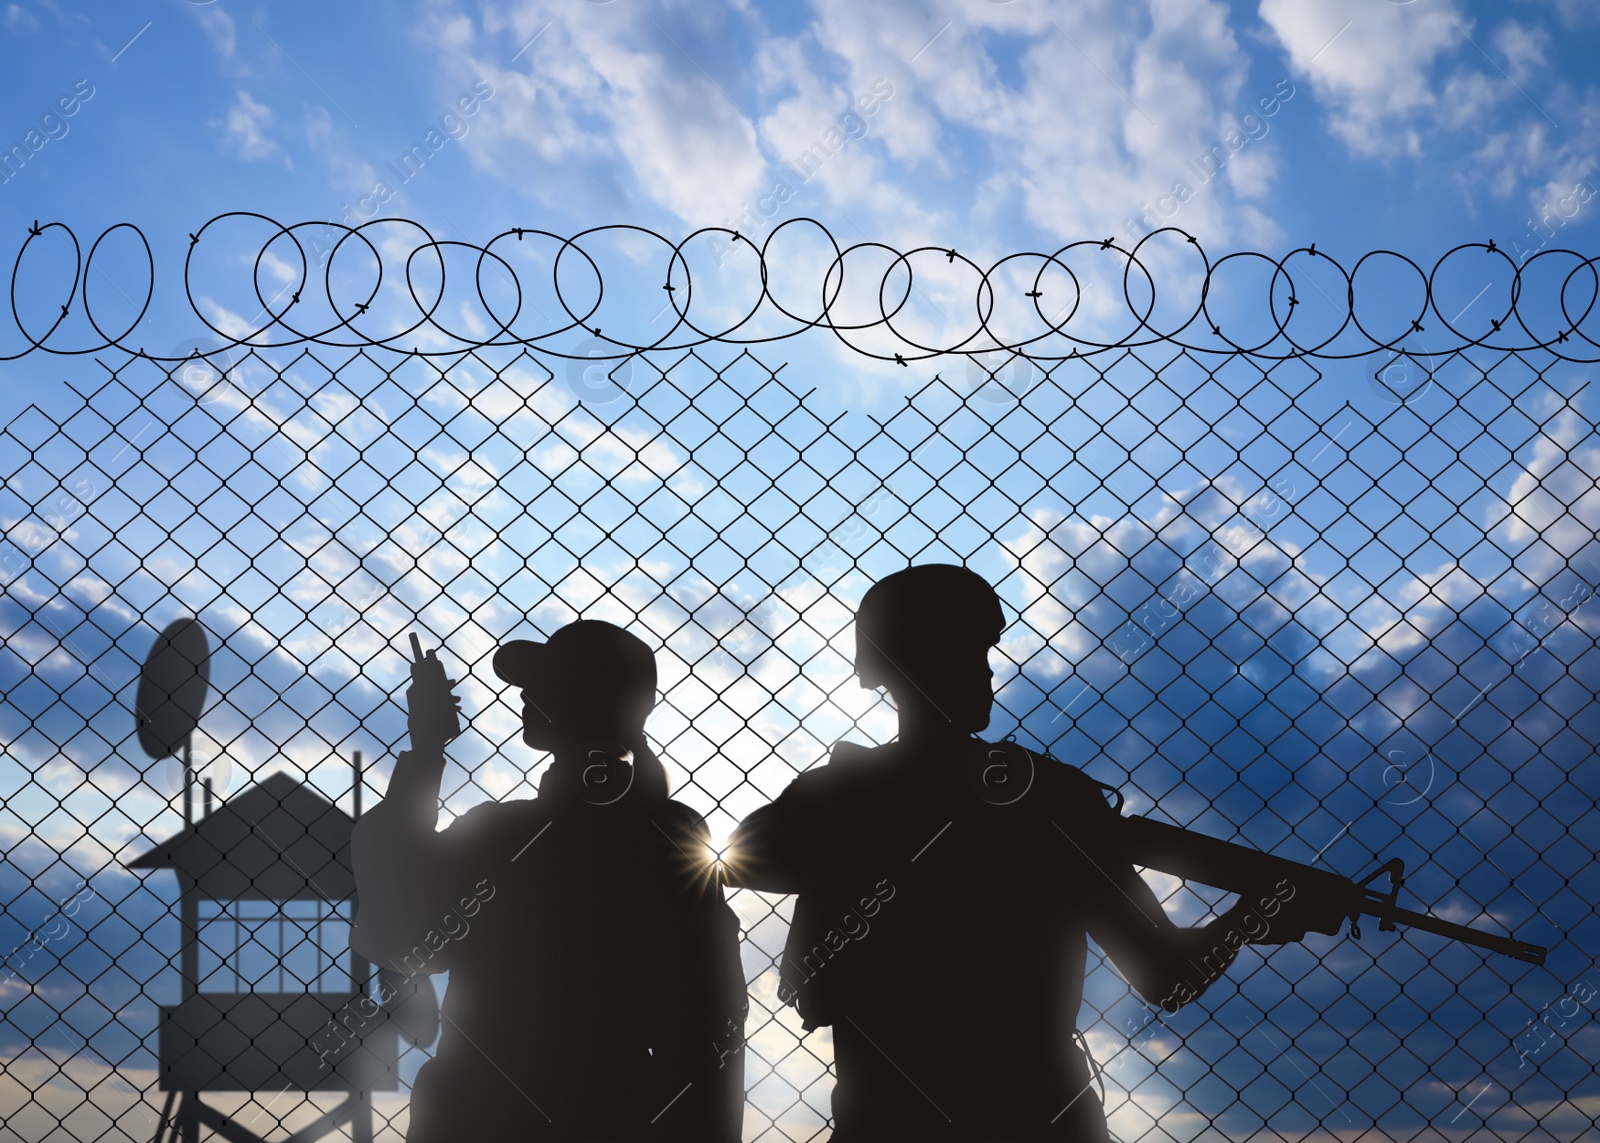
1558, 289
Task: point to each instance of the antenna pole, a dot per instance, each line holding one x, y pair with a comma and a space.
360, 981
188, 783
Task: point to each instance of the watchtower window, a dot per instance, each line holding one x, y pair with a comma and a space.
275, 946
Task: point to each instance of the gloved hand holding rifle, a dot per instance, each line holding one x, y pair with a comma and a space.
1240, 869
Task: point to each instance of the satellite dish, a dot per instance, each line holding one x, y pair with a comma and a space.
413, 1005
172, 688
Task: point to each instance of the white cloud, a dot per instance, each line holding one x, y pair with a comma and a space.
1109, 102
277, 268
19, 19
246, 127
599, 85
1424, 79
231, 324
1572, 13
43, 1089
1068, 625
1553, 506
1074, 118
1523, 46
319, 128
1467, 97
219, 28
1370, 63
1560, 169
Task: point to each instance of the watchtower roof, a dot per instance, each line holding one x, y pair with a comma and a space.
278, 841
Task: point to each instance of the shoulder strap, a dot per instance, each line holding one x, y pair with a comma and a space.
1077, 774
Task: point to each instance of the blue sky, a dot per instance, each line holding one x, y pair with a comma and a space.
996, 127
1418, 124
992, 127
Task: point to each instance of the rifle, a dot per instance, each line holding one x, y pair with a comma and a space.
1240, 869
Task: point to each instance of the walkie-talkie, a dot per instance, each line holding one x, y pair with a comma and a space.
432, 686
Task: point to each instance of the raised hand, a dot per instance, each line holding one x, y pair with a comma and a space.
434, 710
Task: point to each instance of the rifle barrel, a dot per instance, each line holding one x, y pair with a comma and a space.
1520, 950
1240, 869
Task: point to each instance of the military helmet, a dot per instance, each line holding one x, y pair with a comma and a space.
918, 611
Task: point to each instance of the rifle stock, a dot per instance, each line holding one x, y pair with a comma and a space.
1239, 869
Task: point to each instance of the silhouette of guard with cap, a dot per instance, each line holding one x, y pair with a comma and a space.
946, 886
595, 986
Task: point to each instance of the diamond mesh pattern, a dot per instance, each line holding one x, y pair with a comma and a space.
1261, 600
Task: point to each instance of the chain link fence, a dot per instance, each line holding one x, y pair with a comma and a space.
1334, 607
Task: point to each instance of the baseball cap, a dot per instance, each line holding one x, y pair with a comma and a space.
587, 653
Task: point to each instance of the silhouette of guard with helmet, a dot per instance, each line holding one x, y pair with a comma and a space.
946, 889
595, 986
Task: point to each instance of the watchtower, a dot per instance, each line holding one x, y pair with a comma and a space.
269, 982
